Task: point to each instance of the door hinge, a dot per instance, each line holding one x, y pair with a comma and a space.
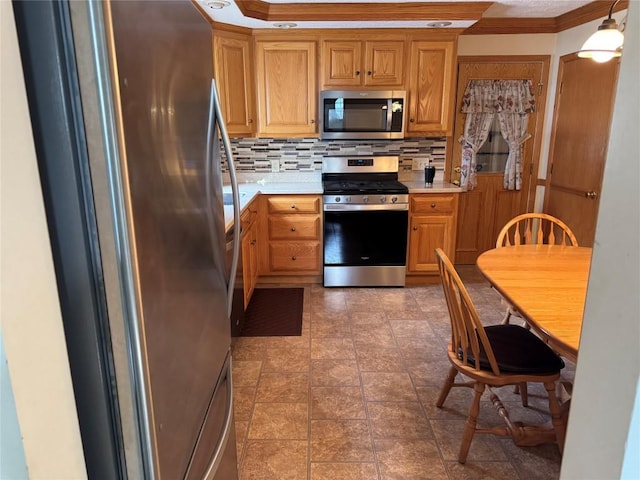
561, 84
540, 85
551, 169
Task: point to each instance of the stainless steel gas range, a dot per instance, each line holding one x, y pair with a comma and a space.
366, 214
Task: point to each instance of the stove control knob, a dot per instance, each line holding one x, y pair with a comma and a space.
365, 199
338, 199
394, 199
383, 199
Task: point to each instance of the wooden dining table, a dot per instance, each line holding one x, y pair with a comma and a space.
547, 284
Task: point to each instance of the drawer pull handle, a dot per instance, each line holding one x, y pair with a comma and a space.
293, 258
293, 229
294, 206
433, 205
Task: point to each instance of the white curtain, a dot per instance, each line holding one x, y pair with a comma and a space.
513, 127
512, 100
476, 130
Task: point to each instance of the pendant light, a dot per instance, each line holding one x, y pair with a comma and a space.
606, 43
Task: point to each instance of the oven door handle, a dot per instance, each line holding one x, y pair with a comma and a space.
335, 207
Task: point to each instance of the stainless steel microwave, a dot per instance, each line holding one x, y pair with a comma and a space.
362, 114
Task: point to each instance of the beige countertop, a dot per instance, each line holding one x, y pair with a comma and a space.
248, 191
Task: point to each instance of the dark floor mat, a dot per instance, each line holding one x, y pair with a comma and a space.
274, 312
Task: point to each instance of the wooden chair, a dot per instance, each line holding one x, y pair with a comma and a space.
530, 229
496, 356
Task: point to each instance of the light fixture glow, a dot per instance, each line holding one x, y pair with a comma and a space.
605, 43
285, 25
438, 24
217, 4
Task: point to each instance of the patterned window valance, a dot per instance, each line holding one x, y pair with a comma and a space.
491, 96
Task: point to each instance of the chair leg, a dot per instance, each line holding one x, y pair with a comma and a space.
470, 425
446, 388
521, 389
556, 414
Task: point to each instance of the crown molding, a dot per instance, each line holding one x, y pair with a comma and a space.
318, 12
579, 16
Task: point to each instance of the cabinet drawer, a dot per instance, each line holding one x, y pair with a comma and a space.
294, 256
293, 204
304, 227
432, 204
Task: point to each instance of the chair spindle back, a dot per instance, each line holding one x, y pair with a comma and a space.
467, 331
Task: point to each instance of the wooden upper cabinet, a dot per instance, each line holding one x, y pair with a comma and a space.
233, 71
352, 63
286, 77
430, 93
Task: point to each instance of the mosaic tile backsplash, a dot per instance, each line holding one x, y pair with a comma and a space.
305, 154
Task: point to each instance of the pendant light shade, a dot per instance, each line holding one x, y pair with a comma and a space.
606, 43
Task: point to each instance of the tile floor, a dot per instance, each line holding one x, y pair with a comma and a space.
354, 396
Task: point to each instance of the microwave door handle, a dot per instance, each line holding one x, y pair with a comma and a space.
389, 114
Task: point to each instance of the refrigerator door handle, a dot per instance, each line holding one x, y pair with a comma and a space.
224, 438
216, 119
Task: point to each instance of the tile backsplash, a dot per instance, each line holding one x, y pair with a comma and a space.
305, 154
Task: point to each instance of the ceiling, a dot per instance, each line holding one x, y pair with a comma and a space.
538, 16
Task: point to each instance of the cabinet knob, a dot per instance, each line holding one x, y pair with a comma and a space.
312, 121
357, 72
293, 205
253, 242
412, 120
293, 229
250, 120
369, 72
433, 205
293, 258
415, 229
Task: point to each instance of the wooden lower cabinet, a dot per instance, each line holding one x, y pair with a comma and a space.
432, 224
249, 246
293, 235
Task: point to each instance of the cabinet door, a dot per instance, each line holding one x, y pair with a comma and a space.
342, 63
430, 88
384, 63
249, 263
234, 77
286, 75
426, 234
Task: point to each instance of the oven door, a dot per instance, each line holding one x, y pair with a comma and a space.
365, 245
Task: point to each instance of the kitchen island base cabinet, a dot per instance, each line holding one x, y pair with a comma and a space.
292, 238
432, 224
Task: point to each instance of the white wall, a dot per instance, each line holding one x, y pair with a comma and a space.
29, 308
609, 361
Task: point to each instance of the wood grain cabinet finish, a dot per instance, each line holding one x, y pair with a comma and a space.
233, 71
430, 90
249, 247
286, 88
294, 235
352, 63
432, 224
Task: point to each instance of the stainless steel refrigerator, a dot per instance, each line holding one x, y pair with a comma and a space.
129, 136
170, 129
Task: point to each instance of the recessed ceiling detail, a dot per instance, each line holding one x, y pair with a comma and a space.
468, 17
